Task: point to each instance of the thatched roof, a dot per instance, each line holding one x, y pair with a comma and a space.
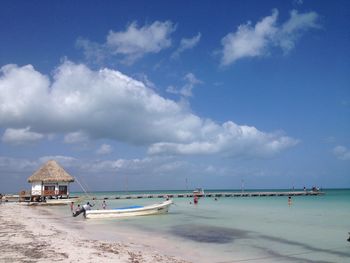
51, 171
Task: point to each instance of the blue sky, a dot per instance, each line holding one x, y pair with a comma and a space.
160, 93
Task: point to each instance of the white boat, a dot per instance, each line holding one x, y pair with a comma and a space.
198, 192
154, 209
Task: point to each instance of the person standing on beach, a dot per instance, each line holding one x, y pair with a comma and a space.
104, 204
72, 207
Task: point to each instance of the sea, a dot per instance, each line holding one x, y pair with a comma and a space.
231, 229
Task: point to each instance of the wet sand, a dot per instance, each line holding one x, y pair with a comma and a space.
31, 234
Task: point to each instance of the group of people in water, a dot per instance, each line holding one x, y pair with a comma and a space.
197, 197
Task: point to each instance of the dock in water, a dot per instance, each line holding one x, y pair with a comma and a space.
211, 194
16, 198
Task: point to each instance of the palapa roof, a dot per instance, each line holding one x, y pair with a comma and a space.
51, 171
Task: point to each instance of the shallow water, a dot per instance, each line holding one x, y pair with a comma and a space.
235, 229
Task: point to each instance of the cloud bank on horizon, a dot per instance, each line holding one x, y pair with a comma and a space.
106, 104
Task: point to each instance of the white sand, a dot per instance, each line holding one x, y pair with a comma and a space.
31, 234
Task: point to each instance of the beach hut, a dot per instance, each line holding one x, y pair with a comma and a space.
50, 181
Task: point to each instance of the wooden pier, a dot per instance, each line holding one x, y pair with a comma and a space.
211, 194
16, 198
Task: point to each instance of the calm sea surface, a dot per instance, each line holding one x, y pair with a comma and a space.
234, 229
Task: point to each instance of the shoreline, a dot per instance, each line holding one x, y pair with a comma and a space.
30, 234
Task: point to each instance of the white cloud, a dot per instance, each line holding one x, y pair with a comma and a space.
150, 166
230, 139
76, 137
20, 136
65, 161
93, 52
298, 2
186, 43
258, 40
341, 152
131, 44
144, 78
104, 149
291, 30
136, 41
107, 104
27, 166
249, 41
119, 165
110, 168
21, 103
185, 90
10, 165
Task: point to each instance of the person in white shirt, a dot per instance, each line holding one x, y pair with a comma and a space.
86, 207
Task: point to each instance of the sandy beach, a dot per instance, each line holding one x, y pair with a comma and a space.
32, 234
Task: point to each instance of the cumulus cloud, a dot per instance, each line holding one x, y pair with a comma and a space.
258, 40
21, 136
230, 139
106, 104
186, 43
104, 149
131, 44
186, 90
341, 152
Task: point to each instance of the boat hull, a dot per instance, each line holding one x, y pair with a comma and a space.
155, 209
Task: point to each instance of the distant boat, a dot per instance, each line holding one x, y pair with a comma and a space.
154, 209
198, 192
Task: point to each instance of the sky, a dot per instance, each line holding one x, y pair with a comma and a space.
148, 95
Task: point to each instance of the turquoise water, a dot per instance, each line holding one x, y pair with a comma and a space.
236, 229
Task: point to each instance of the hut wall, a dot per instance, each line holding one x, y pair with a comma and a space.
36, 188
50, 188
